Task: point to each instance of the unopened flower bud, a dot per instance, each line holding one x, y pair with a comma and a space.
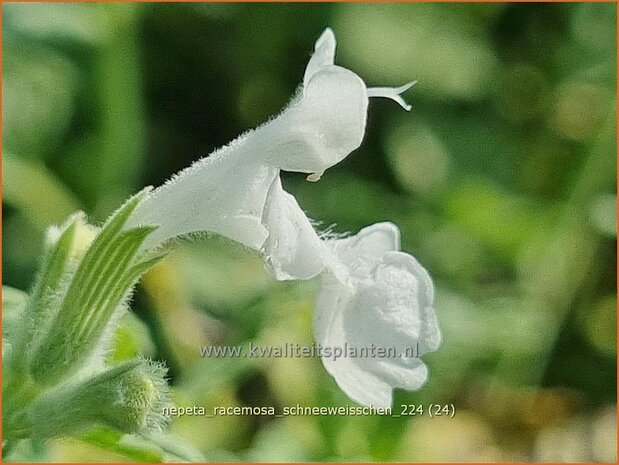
130, 398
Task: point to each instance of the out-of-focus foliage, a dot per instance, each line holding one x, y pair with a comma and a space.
502, 179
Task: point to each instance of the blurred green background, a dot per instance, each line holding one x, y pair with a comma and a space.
502, 179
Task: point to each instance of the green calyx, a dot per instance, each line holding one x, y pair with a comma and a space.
59, 334
130, 397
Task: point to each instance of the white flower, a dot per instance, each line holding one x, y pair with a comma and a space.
371, 294
374, 295
226, 192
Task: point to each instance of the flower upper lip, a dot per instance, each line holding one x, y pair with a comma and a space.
315, 132
323, 56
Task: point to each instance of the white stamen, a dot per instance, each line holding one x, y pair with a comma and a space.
393, 93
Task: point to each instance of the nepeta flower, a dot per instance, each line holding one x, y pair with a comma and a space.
370, 292
374, 295
226, 192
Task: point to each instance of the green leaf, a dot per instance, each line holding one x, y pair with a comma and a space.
104, 277
123, 444
89, 306
47, 286
175, 448
88, 267
152, 448
56, 260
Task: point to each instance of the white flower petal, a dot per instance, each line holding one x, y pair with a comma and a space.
374, 295
411, 374
395, 306
322, 125
404, 261
429, 328
394, 309
359, 384
223, 193
386, 308
362, 251
292, 249
324, 55
430, 333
